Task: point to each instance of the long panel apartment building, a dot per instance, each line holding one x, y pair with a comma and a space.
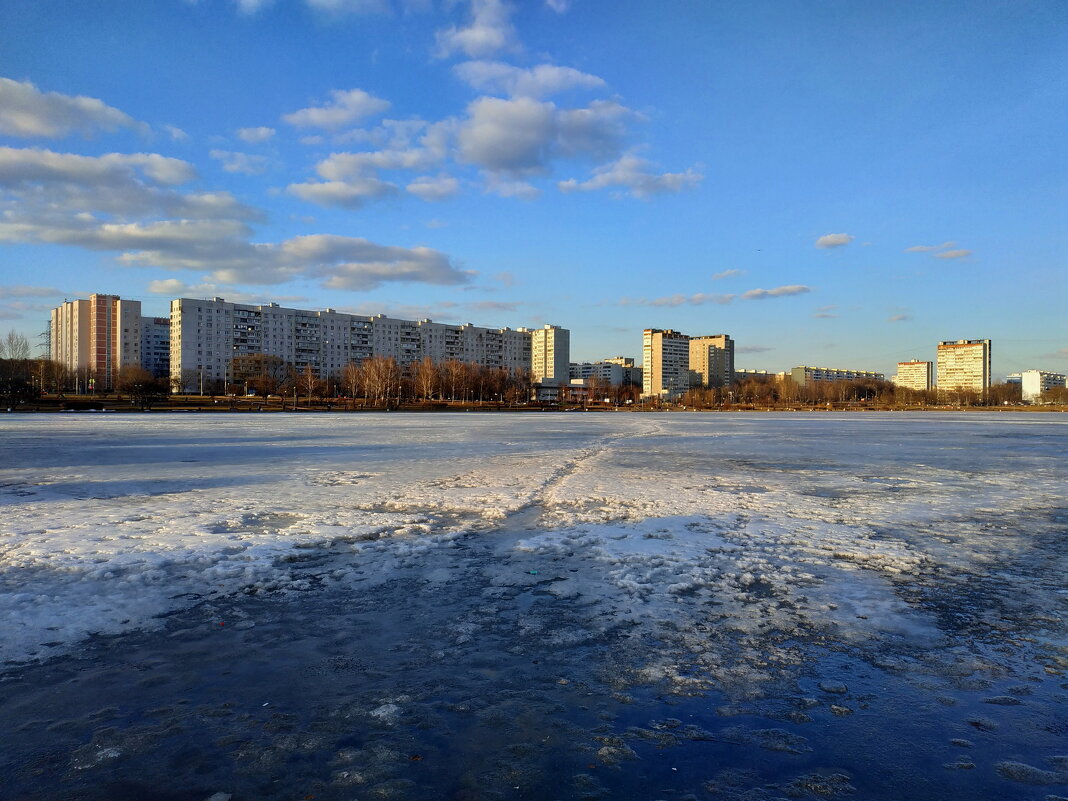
804, 375
206, 335
712, 361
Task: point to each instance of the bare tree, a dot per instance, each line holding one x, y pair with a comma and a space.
15, 347
425, 378
143, 388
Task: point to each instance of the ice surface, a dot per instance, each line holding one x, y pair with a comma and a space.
703, 555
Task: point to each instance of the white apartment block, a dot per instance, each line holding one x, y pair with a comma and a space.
916, 375
550, 351
1034, 382
616, 371
805, 375
206, 335
666, 367
99, 337
964, 364
712, 361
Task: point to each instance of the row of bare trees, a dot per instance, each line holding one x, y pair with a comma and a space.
381, 380
768, 391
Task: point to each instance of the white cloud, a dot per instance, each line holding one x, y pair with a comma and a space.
926, 248
953, 254
347, 107
521, 136
559, 6
339, 7
175, 133
45, 187
540, 81
25, 291
697, 299
251, 6
431, 188
354, 263
240, 162
506, 187
777, 292
490, 31
255, 135
727, 274
898, 318
834, 240
350, 194
514, 136
634, 175
25, 111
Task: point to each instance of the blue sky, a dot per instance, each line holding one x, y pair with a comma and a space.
832, 183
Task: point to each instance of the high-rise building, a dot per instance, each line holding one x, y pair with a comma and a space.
915, 375
550, 352
97, 337
206, 336
964, 365
666, 368
712, 361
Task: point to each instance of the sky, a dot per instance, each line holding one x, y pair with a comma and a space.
835, 183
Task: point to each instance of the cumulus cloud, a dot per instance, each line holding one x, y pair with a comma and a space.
513, 136
777, 292
636, 176
26, 111
38, 185
352, 179
927, 248
350, 194
834, 240
537, 82
355, 263
112, 203
255, 135
521, 136
339, 7
559, 6
489, 31
431, 188
347, 106
240, 162
175, 133
953, 254
727, 274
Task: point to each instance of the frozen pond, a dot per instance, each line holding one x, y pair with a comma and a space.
534, 606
